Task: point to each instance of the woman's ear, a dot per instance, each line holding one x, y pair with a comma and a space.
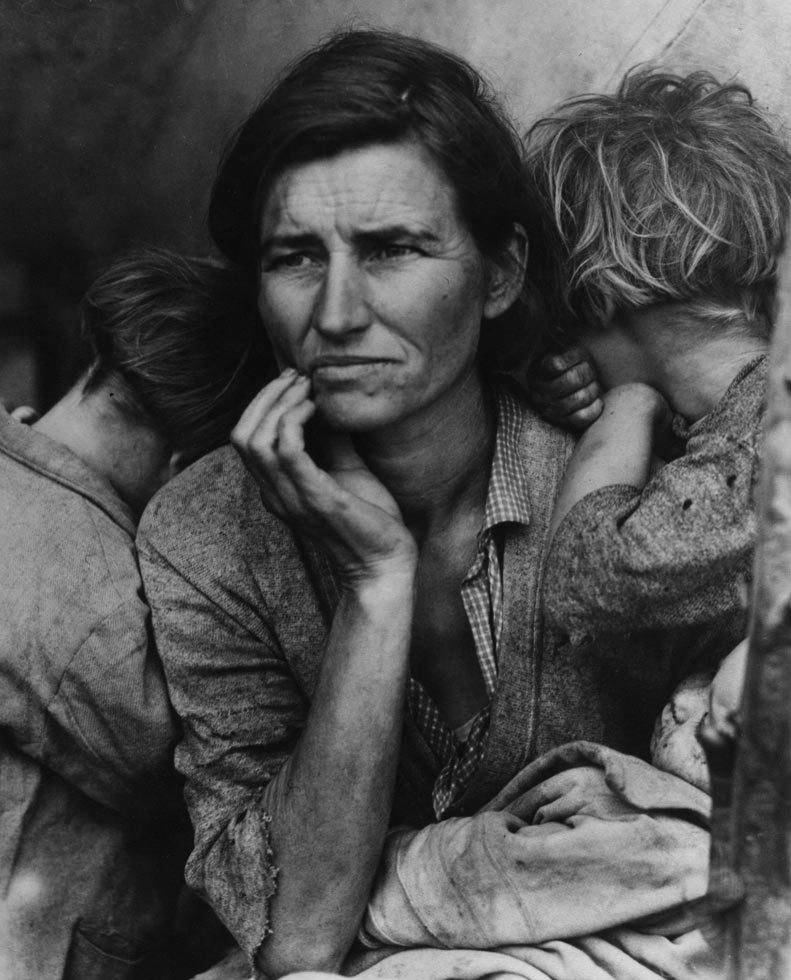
506, 274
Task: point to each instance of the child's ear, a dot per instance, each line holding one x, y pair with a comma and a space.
506, 274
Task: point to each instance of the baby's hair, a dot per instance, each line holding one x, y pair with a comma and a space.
675, 189
179, 340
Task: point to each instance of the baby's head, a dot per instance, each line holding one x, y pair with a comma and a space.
707, 706
674, 746
675, 190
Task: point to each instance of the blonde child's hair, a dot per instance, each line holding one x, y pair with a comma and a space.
675, 189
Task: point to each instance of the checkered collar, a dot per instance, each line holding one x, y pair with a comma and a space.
507, 499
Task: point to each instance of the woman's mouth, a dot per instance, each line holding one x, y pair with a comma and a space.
327, 368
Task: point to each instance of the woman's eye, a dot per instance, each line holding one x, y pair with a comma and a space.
294, 260
393, 250
291, 260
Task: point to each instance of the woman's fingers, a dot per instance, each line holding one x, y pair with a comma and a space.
306, 486
268, 401
574, 792
338, 499
263, 401
290, 429
256, 434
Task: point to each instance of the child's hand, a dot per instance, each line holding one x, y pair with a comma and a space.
22, 413
565, 390
723, 722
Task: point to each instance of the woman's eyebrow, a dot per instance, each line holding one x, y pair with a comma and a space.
394, 232
298, 240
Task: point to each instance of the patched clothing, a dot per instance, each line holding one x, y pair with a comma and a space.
86, 729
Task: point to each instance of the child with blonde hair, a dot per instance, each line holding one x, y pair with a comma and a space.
670, 199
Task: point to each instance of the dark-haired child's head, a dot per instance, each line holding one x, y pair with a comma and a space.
675, 190
179, 341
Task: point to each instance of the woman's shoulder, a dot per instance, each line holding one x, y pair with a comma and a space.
215, 500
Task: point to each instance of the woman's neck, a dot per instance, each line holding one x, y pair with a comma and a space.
437, 465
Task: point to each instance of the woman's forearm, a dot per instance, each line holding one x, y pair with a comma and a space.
330, 804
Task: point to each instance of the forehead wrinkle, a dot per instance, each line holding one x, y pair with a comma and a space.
337, 195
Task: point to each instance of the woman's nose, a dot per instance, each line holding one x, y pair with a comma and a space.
341, 305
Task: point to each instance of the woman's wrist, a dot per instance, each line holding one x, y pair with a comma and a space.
384, 577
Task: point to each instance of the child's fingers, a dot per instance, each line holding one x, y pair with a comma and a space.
25, 414
552, 365
727, 691
582, 418
577, 400
575, 378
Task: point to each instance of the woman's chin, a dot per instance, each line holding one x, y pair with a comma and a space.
354, 412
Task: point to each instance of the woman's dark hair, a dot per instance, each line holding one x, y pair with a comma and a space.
363, 87
180, 340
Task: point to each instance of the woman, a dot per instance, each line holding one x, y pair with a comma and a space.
367, 647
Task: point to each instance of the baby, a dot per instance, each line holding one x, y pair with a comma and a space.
703, 710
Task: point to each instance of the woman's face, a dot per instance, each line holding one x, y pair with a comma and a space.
371, 284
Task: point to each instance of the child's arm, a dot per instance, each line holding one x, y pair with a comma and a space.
668, 552
617, 449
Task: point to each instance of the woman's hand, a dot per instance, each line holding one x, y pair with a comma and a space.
582, 791
342, 505
565, 390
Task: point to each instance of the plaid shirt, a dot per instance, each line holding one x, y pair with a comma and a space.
482, 594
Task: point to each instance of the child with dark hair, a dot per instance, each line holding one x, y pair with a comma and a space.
671, 201
176, 355
92, 839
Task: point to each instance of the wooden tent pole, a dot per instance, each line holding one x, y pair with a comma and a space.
759, 823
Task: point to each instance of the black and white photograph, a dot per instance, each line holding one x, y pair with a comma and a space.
395, 490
